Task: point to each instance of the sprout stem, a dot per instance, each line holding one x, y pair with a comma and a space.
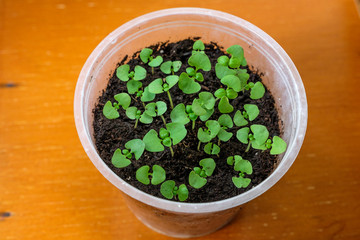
144, 105
198, 148
152, 70
162, 117
248, 147
193, 124
219, 142
137, 120
172, 151
171, 102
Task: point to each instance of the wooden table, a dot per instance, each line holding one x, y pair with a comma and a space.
50, 190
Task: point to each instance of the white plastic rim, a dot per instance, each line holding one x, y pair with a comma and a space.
273, 54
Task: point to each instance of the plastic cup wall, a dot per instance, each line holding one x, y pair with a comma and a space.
261, 52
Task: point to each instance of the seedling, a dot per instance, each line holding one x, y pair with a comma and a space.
169, 190
157, 176
172, 135
135, 114
225, 122
121, 158
251, 111
198, 46
170, 67
205, 136
146, 57
243, 167
199, 60
110, 109
159, 86
197, 177
258, 139
212, 148
156, 109
132, 78
204, 105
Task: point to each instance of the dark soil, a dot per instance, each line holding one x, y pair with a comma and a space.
113, 134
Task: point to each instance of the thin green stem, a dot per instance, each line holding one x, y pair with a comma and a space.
172, 151
198, 147
136, 123
193, 124
170, 99
162, 117
144, 105
152, 70
218, 143
248, 147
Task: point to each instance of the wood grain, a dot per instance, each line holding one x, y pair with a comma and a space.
50, 190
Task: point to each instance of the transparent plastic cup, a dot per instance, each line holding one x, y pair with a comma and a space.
180, 219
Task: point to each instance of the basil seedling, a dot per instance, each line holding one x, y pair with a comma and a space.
197, 177
169, 190
110, 109
158, 175
147, 57
243, 167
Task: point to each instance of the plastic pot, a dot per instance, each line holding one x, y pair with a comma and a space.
261, 51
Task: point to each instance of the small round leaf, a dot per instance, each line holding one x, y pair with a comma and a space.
156, 86
153, 142
257, 91
166, 189
119, 160
131, 112
142, 175
196, 181
252, 110
158, 175
278, 146
140, 73
183, 192
156, 61
242, 135
224, 105
137, 146
145, 54
239, 119
122, 72
241, 182
109, 111
123, 99
208, 165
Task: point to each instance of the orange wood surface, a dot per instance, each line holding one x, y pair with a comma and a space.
50, 188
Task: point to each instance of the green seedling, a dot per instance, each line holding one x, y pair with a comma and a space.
135, 114
256, 139
110, 109
170, 67
169, 190
211, 148
172, 135
197, 177
234, 86
243, 167
121, 158
198, 46
205, 136
158, 175
251, 111
159, 86
132, 78
259, 139
156, 109
146, 57
225, 122
198, 61
204, 105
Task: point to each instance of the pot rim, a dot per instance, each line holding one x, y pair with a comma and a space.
182, 207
